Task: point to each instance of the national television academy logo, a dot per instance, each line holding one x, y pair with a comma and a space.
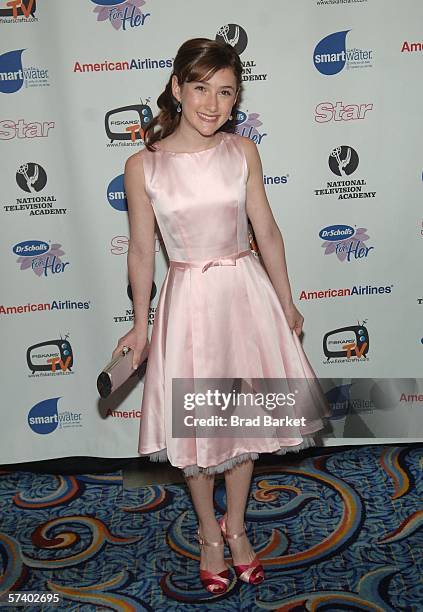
31, 177
233, 34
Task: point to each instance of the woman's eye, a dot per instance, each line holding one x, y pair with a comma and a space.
200, 87
226, 92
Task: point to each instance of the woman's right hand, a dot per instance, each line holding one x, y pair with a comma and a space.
135, 340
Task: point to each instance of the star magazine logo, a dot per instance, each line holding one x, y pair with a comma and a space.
327, 111
9, 129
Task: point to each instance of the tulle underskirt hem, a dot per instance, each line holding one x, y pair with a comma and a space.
195, 470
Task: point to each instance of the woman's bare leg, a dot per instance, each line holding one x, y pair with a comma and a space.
238, 482
201, 488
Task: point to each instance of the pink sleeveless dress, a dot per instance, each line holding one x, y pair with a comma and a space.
218, 315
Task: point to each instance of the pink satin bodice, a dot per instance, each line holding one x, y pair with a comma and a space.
200, 207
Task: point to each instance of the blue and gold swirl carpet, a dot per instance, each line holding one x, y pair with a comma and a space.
340, 531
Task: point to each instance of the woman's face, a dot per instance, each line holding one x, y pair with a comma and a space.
206, 105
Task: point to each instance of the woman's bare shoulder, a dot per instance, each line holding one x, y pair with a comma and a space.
134, 165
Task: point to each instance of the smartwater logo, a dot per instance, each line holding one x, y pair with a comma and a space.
116, 195
13, 75
44, 417
331, 55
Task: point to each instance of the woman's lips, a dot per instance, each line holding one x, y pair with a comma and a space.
207, 118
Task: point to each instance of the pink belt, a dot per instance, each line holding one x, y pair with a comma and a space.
226, 260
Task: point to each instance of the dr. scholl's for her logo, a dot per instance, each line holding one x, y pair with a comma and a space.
345, 242
331, 55
123, 14
246, 125
41, 257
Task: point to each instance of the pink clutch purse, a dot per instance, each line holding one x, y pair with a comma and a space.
118, 370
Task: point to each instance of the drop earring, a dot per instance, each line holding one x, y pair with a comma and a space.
230, 117
179, 108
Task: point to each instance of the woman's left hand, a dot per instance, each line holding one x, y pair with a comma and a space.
294, 318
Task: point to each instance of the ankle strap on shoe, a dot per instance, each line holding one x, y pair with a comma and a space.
235, 536
205, 542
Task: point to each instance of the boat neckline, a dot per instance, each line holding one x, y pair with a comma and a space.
222, 139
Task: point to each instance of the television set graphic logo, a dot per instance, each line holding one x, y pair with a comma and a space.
44, 418
246, 125
116, 195
345, 242
346, 344
53, 356
42, 258
122, 14
331, 55
13, 75
17, 10
128, 123
31, 177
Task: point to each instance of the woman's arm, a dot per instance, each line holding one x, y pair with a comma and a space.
268, 236
141, 252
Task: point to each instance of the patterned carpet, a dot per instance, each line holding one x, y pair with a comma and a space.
339, 531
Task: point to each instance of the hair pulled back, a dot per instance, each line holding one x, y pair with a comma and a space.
197, 60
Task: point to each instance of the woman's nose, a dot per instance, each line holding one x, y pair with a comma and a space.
212, 102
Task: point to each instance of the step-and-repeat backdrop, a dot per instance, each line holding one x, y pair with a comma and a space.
332, 97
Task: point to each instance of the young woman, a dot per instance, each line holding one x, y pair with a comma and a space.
221, 312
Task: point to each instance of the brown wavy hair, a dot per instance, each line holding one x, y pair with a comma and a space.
197, 60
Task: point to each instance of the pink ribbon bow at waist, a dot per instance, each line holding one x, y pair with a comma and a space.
226, 260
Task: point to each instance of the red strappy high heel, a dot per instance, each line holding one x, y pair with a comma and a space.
251, 573
214, 583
